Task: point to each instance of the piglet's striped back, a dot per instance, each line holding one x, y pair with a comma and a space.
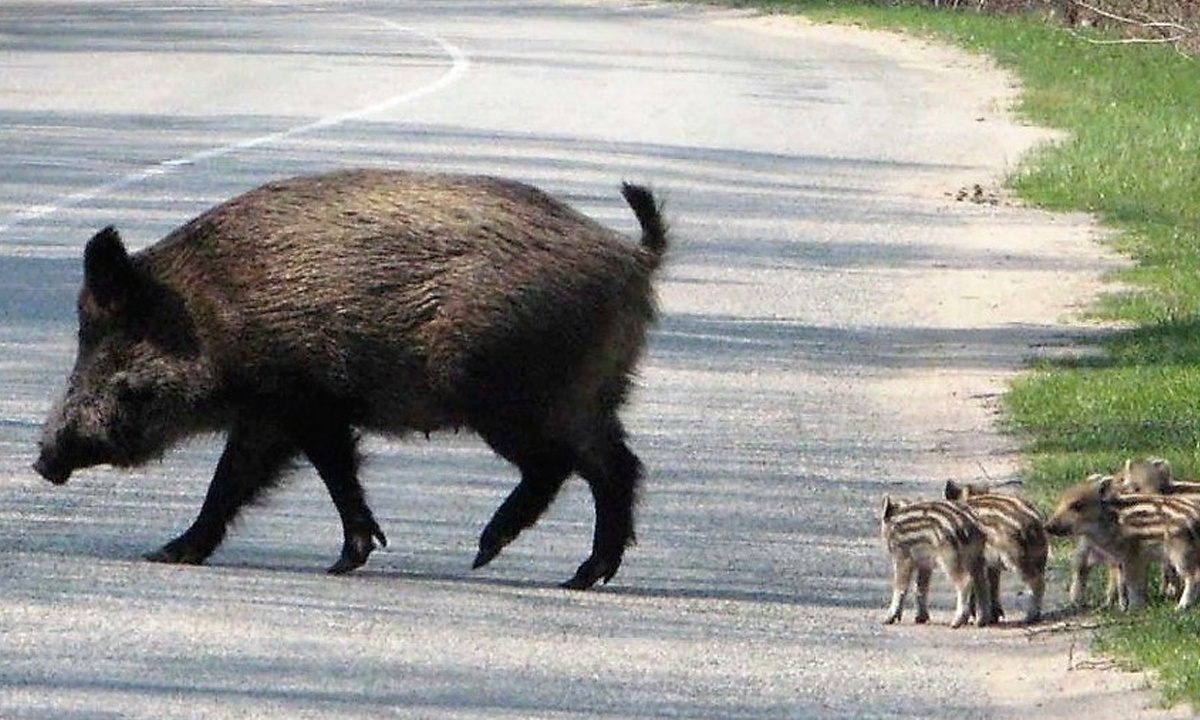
1006, 515
1150, 518
929, 523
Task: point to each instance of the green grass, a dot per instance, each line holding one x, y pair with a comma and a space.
1157, 639
1133, 115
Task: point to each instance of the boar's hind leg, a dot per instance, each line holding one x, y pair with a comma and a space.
612, 473
332, 449
544, 466
256, 453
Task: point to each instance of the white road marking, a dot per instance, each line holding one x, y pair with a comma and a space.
460, 63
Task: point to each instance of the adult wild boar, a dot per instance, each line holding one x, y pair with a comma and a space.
308, 309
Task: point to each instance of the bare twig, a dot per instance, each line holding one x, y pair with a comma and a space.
1097, 664
1132, 41
992, 481
1172, 33
983, 470
1063, 626
1130, 21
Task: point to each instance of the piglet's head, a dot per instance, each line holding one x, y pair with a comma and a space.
1081, 507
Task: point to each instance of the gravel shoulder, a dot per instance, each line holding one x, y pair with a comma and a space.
1049, 267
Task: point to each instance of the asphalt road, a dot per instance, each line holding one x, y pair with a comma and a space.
809, 359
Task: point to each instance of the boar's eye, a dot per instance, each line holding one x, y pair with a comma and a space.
125, 389
1077, 506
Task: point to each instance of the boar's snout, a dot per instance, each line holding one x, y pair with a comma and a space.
62, 452
51, 467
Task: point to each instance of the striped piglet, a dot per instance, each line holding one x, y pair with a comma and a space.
1132, 530
920, 535
1015, 540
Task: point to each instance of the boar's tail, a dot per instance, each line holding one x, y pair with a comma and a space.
649, 215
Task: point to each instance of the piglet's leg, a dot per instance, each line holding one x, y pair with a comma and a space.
1036, 580
1183, 558
1081, 566
1133, 584
256, 454
982, 586
924, 578
993, 581
902, 571
1190, 592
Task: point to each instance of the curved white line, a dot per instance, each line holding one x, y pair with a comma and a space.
460, 63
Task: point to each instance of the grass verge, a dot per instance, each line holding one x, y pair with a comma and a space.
1133, 114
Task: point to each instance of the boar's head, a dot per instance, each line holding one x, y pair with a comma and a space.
137, 379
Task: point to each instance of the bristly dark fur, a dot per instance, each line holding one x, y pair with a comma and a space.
310, 308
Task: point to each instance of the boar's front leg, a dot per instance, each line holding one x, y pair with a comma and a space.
331, 446
255, 456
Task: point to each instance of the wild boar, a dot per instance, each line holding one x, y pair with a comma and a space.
1087, 555
307, 310
1132, 530
1014, 540
1153, 476
920, 535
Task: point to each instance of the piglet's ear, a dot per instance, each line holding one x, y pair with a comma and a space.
107, 270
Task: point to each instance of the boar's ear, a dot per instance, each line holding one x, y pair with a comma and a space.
1105, 487
107, 270
888, 507
952, 491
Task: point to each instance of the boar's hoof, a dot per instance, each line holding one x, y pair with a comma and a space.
490, 545
178, 552
592, 571
357, 548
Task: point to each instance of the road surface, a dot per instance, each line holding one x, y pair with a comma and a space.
835, 326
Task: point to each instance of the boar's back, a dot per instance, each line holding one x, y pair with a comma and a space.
411, 298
